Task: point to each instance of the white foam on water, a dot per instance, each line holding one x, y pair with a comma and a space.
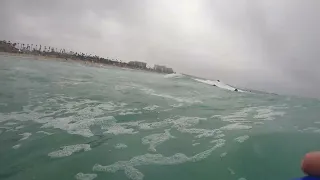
121, 128
234, 126
25, 135
258, 123
111, 106
218, 141
158, 159
201, 132
120, 146
174, 75
185, 122
178, 99
195, 144
223, 154
69, 150
129, 113
310, 130
44, 132
216, 116
27, 115
146, 159
152, 159
241, 139
16, 146
82, 176
155, 140
239, 116
154, 125
175, 98
218, 84
180, 123
10, 123
268, 113
207, 153
177, 105
151, 108
133, 173
19, 127
89, 112
242, 178
261, 113
117, 129
131, 123
79, 127
220, 136
79, 120
82, 132
231, 171
121, 87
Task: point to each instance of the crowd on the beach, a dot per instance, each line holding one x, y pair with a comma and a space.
47, 51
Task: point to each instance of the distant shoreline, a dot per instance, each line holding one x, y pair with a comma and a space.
47, 52
86, 63
48, 58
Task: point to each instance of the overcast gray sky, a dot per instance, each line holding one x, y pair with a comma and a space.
264, 44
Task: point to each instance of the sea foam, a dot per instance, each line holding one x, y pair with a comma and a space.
120, 146
150, 108
200, 133
174, 75
69, 150
217, 84
156, 139
25, 135
268, 113
16, 146
236, 126
44, 132
241, 139
82, 176
152, 159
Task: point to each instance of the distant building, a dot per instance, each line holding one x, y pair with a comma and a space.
163, 69
170, 70
159, 68
138, 64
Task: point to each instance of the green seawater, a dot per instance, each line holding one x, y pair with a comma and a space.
64, 120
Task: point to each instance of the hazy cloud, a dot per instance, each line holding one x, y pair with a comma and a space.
265, 44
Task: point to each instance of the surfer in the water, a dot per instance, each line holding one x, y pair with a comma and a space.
311, 166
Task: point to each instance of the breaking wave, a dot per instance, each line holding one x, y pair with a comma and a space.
174, 75
218, 84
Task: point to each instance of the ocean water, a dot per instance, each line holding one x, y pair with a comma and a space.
64, 120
